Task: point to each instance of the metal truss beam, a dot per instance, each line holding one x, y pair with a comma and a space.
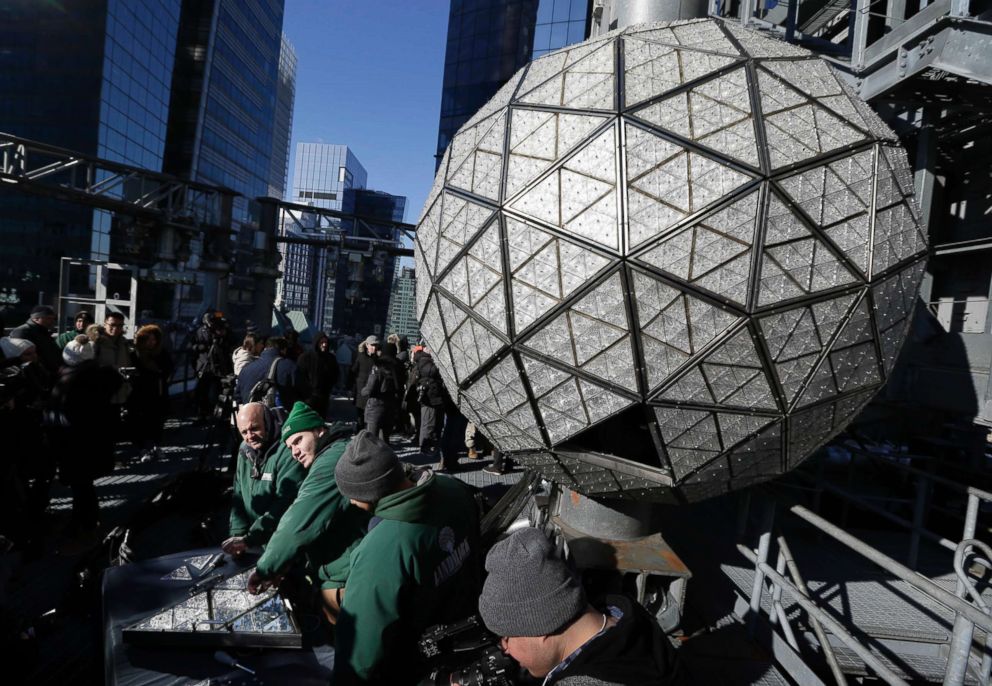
39, 169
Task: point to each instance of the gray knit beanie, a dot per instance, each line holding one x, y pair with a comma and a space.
368, 470
530, 591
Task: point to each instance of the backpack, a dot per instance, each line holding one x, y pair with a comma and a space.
266, 391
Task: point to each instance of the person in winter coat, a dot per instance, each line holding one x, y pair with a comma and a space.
345, 354
534, 602
417, 566
320, 525
266, 481
382, 393
431, 396
249, 351
37, 329
82, 320
361, 367
111, 350
148, 404
291, 384
320, 368
82, 441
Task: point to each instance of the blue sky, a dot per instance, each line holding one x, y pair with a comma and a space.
369, 76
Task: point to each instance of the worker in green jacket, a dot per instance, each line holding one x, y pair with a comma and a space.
79, 324
266, 480
417, 566
320, 525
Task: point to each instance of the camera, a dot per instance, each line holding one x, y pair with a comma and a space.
128, 372
226, 399
466, 653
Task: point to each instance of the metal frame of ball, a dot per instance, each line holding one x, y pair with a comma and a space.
598, 472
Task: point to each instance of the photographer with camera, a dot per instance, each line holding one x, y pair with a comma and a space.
320, 524
213, 345
266, 482
534, 602
416, 567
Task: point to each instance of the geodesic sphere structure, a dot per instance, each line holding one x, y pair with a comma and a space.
668, 262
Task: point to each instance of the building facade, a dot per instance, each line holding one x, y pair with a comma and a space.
283, 126
223, 129
322, 173
92, 76
191, 88
402, 317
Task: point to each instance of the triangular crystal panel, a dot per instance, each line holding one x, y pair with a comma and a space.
651, 69
545, 269
587, 83
716, 113
584, 188
538, 139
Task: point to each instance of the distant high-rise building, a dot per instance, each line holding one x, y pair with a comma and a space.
402, 317
92, 76
490, 40
321, 175
364, 274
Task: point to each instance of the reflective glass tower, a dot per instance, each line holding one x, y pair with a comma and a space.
560, 23
321, 175
92, 76
224, 118
489, 40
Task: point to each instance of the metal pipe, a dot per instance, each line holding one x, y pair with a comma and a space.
964, 626
764, 541
835, 627
828, 651
779, 611
915, 580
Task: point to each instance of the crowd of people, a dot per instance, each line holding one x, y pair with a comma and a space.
65, 403
385, 549
391, 550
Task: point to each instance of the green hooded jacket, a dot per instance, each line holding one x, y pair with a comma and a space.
264, 487
320, 523
418, 566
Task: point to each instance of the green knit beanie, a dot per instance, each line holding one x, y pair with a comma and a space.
301, 418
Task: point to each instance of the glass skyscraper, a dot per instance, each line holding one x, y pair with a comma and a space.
223, 122
560, 23
322, 173
489, 40
283, 125
91, 76
202, 90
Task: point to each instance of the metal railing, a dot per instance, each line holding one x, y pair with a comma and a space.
785, 577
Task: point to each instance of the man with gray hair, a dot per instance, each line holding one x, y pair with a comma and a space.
266, 480
534, 602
